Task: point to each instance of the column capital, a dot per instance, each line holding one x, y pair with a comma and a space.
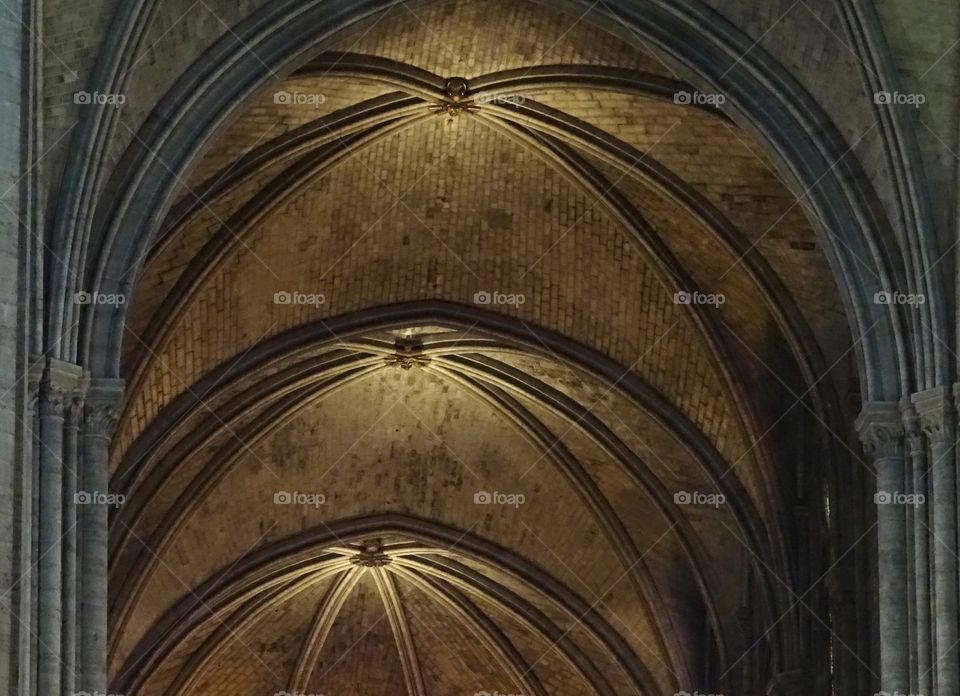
912, 426
935, 412
102, 407
60, 383
881, 429
35, 368
73, 411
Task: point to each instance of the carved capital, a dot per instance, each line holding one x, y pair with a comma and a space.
73, 411
35, 369
100, 420
881, 429
53, 400
912, 427
102, 407
936, 413
60, 384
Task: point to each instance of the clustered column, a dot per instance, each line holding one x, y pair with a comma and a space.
917, 529
882, 432
937, 418
65, 619
921, 674
100, 419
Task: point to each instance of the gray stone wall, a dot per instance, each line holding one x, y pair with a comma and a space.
10, 165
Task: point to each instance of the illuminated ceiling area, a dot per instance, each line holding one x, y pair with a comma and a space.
472, 358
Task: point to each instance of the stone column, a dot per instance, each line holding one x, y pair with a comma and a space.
49, 550
61, 383
100, 419
911, 426
881, 430
49, 612
921, 675
72, 416
937, 420
28, 585
12, 158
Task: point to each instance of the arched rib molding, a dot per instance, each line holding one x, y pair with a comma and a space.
481, 627
277, 36
628, 159
137, 572
745, 517
175, 434
670, 271
420, 89
286, 186
472, 582
511, 332
362, 116
399, 625
918, 241
607, 519
304, 553
245, 618
128, 555
570, 130
189, 615
327, 614
675, 278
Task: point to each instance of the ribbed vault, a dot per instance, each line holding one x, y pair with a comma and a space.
401, 486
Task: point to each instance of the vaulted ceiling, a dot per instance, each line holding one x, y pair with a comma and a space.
347, 471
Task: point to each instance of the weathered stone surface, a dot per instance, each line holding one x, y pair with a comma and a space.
419, 387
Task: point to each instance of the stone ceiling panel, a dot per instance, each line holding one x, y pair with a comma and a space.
472, 38
410, 442
452, 659
360, 654
462, 228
